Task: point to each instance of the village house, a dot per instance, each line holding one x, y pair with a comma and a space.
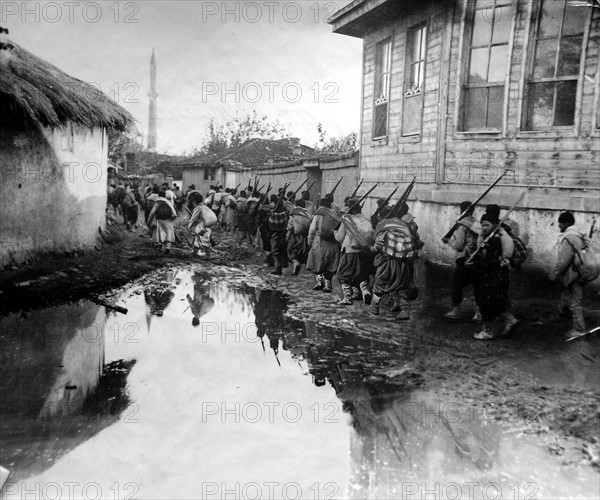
235, 165
455, 92
53, 157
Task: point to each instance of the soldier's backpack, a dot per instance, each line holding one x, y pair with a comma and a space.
399, 242
586, 262
278, 221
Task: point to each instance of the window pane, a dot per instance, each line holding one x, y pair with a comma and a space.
502, 22
478, 66
411, 115
552, 11
565, 103
380, 121
482, 27
416, 76
545, 57
570, 55
415, 45
498, 57
495, 107
386, 56
423, 42
474, 106
574, 22
539, 100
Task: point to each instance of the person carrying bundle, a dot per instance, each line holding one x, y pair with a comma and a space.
297, 235
263, 214
324, 254
231, 216
490, 276
397, 244
355, 236
161, 222
463, 240
277, 226
243, 218
253, 205
576, 265
201, 222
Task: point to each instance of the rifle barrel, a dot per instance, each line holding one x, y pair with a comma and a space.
335, 187
402, 200
364, 196
380, 209
464, 214
356, 189
301, 185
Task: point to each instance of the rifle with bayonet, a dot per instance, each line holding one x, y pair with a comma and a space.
393, 212
357, 188
384, 204
281, 196
330, 195
449, 234
300, 187
496, 229
362, 198
236, 188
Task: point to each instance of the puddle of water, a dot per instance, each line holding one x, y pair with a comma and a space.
210, 391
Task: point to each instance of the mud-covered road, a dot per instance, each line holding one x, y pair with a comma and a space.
221, 376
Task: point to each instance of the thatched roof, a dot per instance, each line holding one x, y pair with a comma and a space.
33, 88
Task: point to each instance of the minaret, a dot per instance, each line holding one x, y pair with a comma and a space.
152, 109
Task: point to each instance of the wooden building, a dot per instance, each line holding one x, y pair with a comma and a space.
457, 91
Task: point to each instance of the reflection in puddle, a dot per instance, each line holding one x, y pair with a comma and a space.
206, 387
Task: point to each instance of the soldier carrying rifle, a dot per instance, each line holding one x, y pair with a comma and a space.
397, 244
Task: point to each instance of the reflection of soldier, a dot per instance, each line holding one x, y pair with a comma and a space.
159, 295
268, 312
202, 303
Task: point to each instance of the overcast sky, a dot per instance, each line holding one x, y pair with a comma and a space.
280, 54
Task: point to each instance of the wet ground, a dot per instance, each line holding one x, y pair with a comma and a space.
224, 382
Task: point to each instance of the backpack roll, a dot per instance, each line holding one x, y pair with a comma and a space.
301, 224
210, 218
586, 262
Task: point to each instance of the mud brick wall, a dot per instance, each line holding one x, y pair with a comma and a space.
52, 190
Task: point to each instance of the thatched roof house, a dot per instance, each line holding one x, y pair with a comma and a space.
53, 157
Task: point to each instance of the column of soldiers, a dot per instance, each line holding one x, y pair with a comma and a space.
375, 256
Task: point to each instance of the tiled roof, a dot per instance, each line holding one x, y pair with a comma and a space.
251, 154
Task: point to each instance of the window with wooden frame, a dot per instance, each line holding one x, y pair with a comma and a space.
554, 62
383, 67
414, 80
487, 50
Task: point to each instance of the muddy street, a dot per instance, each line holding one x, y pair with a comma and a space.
221, 381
